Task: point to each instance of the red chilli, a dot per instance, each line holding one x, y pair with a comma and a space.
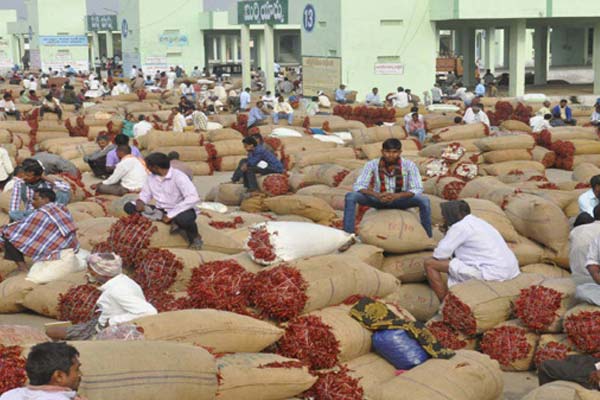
335, 385
78, 304
506, 344
12, 368
536, 306
260, 245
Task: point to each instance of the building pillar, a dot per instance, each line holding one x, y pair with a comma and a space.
596, 58
456, 44
246, 77
269, 54
223, 49
110, 47
16, 49
260, 50
490, 51
506, 47
517, 60
215, 52
437, 41
541, 55
467, 43
235, 50
95, 49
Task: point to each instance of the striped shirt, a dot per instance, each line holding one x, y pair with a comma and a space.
370, 174
27, 197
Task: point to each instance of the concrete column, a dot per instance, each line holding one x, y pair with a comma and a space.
541, 55
467, 41
215, 54
223, 48
16, 50
596, 58
110, 47
457, 45
246, 78
437, 41
269, 54
235, 49
586, 38
517, 60
490, 49
506, 47
260, 50
95, 48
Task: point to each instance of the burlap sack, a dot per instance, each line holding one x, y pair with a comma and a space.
436, 149
584, 333
584, 146
546, 270
232, 147
498, 156
5, 135
418, 299
488, 304
586, 158
248, 376
504, 168
324, 174
187, 153
230, 194
512, 142
544, 156
366, 253
307, 158
222, 241
43, 299
409, 268
493, 215
460, 132
227, 163
313, 208
447, 187
525, 362
557, 390
154, 140
566, 287
351, 164
93, 231
527, 251
200, 168
435, 121
372, 371
115, 205
43, 135
55, 145
396, 231
19, 335
562, 198
220, 330
13, 291
374, 134
95, 210
218, 135
514, 125
584, 172
468, 375
585, 394
335, 197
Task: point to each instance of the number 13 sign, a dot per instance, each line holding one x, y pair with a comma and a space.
309, 18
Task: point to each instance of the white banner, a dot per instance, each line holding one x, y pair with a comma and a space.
389, 69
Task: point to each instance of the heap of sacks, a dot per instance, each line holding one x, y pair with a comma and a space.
285, 331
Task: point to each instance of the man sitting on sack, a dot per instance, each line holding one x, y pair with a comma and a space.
122, 299
588, 279
43, 234
589, 199
388, 182
128, 177
471, 249
260, 160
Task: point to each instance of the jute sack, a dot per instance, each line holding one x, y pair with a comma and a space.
436, 209
482, 187
349, 180
43, 135
187, 153
538, 219
585, 394
546, 270
158, 139
93, 231
498, 156
557, 390
583, 146
43, 299
324, 174
366, 253
375, 134
503, 168
335, 197
460, 132
493, 215
418, 299
511, 344
55, 145
409, 268
436, 149
95, 210
514, 125
18, 335
468, 375
12, 293
230, 147
218, 135
562, 198
5, 200
435, 121
373, 150
396, 231
476, 306
223, 331
372, 371
200, 168
227, 163
313, 208
512, 142
582, 325
447, 187
351, 164
527, 251
250, 376
306, 158
544, 156
190, 259
221, 241
586, 158
145, 370
584, 172
230, 194
5, 135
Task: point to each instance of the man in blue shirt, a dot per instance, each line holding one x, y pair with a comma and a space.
245, 100
480, 89
260, 160
340, 95
256, 116
562, 115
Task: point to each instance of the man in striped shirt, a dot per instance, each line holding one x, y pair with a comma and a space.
389, 182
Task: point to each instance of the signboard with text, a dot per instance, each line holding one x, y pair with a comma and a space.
389, 69
152, 64
263, 12
321, 73
63, 41
97, 23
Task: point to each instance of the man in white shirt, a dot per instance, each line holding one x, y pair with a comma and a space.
129, 175
8, 106
373, 99
595, 118
587, 278
283, 109
133, 73
589, 199
33, 85
400, 99
187, 89
471, 249
269, 99
475, 115
179, 122
6, 167
245, 99
585, 230
540, 122
142, 127
323, 100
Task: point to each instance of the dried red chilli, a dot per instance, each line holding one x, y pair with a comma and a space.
164, 301
536, 307
156, 269
310, 340
12, 368
447, 335
129, 235
283, 364
335, 385
275, 185
222, 285
259, 244
506, 344
102, 247
551, 351
237, 221
583, 329
279, 292
452, 190
78, 304
459, 315
339, 177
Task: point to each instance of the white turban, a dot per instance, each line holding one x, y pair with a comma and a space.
105, 264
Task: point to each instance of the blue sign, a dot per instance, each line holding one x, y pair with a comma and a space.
63, 41
309, 18
30, 33
124, 28
173, 40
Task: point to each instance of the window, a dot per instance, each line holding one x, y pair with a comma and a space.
391, 22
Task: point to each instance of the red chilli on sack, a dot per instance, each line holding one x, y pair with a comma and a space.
129, 235
227, 224
164, 301
459, 315
259, 243
335, 385
78, 304
12, 368
222, 285
447, 335
551, 351
156, 269
584, 330
536, 306
279, 292
310, 340
275, 185
505, 344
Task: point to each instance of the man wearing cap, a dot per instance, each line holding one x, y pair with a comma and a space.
122, 299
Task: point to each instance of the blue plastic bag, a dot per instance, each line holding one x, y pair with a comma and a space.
398, 348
